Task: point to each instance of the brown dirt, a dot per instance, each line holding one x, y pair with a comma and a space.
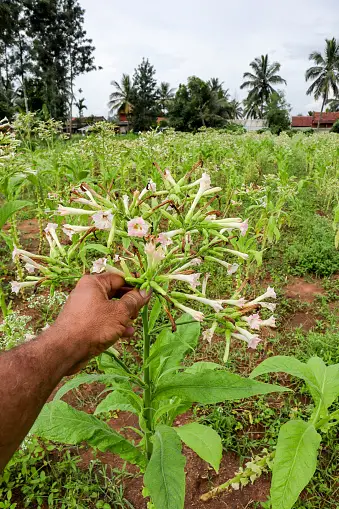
301, 290
302, 319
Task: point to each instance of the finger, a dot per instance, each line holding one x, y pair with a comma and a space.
129, 332
134, 301
110, 283
124, 289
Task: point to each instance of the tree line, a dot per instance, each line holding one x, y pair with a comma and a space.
43, 49
200, 103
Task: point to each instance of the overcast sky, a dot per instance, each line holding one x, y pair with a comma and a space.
206, 38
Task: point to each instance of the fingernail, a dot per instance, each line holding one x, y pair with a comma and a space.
144, 293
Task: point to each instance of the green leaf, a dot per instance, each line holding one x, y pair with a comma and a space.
166, 351
165, 477
7, 210
326, 382
186, 334
154, 314
295, 462
120, 401
62, 423
198, 367
204, 441
211, 387
282, 364
88, 379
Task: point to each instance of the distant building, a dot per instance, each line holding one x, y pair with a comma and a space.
82, 124
251, 124
311, 121
125, 125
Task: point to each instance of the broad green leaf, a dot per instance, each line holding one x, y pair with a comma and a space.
198, 367
204, 441
62, 423
154, 314
187, 334
120, 401
171, 410
211, 387
88, 379
109, 365
165, 477
326, 380
294, 463
282, 364
166, 350
7, 210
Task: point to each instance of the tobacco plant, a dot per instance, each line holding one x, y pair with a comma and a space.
155, 239
299, 440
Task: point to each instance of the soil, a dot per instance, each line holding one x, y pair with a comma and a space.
301, 290
200, 477
302, 319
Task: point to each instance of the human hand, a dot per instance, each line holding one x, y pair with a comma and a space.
93, 322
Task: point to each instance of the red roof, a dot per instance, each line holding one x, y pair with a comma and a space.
302, 121
326, 118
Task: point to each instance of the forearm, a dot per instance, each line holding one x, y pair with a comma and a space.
28, 375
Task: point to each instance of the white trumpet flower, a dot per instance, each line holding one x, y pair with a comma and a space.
191, 279
215, 304
208, 334
71, 211
197, 315
72, 229
16, 286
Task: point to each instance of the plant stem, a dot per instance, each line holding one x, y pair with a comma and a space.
147, 379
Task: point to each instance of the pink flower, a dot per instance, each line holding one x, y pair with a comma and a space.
99, 265
137, 227
209, 333
164, 240
154, 255
16, 286
252, 340
103, 219
270, 322
254, 321
50, 228
239, 303
30, 268
243, 228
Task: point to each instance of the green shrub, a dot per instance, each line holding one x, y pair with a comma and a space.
308, 248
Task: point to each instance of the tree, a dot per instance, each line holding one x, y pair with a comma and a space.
260, 83
144, 97
199, 104
121, 98
166, 94
277, 113
80, 104
333, 105
79, 49
324, 74
236, 110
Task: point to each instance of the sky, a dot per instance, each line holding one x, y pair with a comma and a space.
205, 38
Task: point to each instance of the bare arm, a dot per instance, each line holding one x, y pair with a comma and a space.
87, 326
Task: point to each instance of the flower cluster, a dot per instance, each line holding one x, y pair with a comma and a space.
155, 239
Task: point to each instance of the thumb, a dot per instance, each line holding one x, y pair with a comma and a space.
134, 301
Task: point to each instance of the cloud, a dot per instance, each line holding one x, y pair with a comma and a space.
195, 37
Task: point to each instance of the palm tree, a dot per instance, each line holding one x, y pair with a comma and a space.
120, 99
325, 73
165, 93
81, 106
333, 105
260, 82
236, 110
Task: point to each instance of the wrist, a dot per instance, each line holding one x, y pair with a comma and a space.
64, 346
